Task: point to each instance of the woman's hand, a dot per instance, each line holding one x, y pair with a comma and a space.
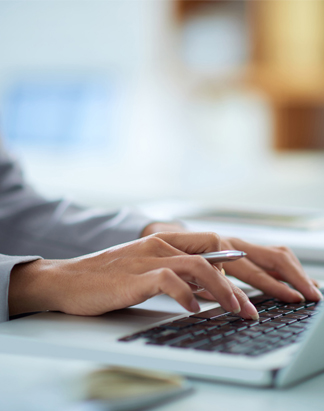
126, 275
265, 268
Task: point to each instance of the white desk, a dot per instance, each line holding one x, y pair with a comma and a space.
36, 384
30, 384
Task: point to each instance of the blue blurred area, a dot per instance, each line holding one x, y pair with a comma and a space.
58, 114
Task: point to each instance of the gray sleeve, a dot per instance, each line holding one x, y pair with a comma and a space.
30, 224
7, 262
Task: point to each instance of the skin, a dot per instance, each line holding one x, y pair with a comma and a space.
161, 262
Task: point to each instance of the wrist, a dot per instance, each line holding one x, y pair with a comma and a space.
32, 287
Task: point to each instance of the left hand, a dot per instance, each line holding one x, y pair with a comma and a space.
265, 268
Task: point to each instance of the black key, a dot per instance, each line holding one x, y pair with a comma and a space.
189, 320
273, 339
260, 299
270, 301
232, 318
251, 333
182, 344
307, 312
239, 327
283, 343
301, 325
229, 332
282, 333
218, 323
209, 347
168, 339
196, 330
210, 327
250, 323
216, 337
214, 313
310, 304
271, 314
226, 330
284, 320
264, 328
197, 341
282, 312
294, 330
229, 341
267, 307
241, 339
312, 308
297, 317
307, 320
264, 319
295, 307
174, 326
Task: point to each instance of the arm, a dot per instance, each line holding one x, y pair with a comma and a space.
29, 224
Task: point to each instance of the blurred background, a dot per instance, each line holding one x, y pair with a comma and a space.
121, 102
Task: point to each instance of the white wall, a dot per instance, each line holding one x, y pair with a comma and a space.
172, 142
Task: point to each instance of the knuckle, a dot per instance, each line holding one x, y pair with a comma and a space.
214, 239
198, 262
154, 243
283, 255
165, 275
285, 250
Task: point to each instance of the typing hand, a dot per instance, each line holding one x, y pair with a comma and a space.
126, 275
266, 267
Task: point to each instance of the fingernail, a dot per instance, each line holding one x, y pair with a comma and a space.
314, 290
301, 297
235, 305
249, 308
194, 306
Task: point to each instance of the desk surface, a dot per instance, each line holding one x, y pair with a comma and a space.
36, 384
31, 384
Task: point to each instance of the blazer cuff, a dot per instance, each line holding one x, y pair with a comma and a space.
7, 262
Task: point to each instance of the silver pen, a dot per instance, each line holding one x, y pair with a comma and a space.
223, 256
218, 257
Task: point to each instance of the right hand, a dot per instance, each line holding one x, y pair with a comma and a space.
126, 275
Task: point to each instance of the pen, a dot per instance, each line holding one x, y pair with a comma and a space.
218, 257
223, 256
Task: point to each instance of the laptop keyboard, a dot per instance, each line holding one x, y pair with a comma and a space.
280, 324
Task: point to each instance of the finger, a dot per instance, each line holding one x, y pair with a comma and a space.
248, 311
250, 273
284, 262
192, 243
197, 270
206, 295
154, 246
165, 281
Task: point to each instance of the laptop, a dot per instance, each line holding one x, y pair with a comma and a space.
282, 349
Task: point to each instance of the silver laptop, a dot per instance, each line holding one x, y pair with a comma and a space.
284, 348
